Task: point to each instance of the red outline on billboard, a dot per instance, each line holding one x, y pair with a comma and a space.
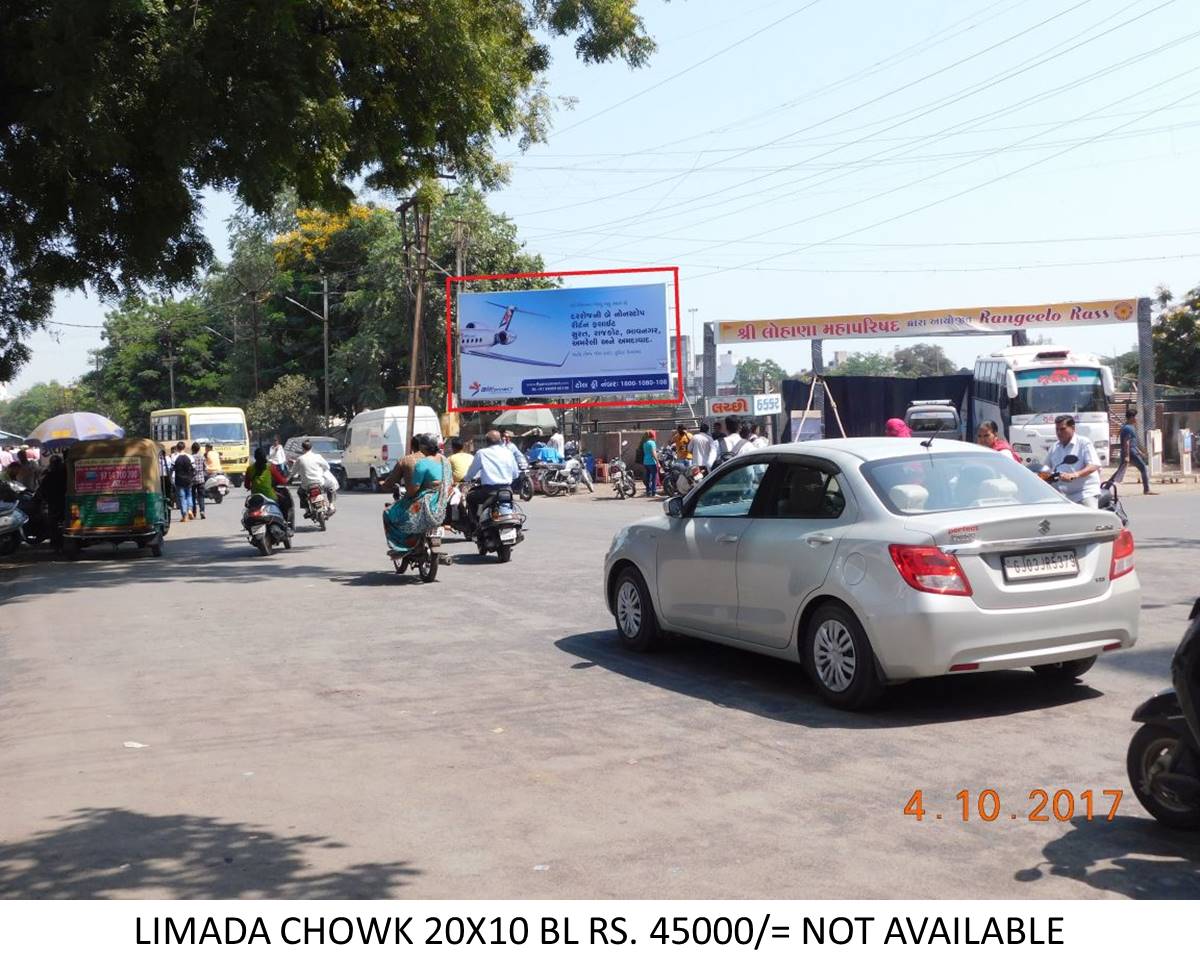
451, 394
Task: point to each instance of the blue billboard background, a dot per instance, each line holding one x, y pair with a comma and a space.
602, 340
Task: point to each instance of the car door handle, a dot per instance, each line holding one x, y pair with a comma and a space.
727, 539
818, 539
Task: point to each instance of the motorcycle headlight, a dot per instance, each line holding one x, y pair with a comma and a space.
7, 520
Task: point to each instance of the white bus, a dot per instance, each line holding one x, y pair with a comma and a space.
1023, 389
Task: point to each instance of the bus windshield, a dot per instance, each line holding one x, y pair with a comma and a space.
214, 431
1059, 391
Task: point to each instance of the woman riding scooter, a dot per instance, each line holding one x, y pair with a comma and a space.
269, 480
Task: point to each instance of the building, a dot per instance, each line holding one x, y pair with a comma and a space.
691, 374
726, 373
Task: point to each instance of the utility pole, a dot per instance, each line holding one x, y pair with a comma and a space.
461, 239
325, 339
422, 214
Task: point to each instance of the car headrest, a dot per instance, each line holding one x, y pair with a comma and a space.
909, 496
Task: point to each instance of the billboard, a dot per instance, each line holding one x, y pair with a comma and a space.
607, 341
924, 323
771, 404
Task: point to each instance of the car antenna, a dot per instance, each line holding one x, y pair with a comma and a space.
927, 443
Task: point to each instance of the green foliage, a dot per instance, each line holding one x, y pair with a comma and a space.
1124, 369
917, 361
1177, 341
115, 115
288, 408
24, 412
749, 375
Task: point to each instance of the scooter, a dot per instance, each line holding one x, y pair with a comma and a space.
1163, 760
264, 524
498, 524
1109, 497
13, 519
425, 556
217, 487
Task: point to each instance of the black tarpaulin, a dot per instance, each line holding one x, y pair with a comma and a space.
866, 403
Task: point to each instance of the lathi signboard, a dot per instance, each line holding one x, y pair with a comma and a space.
606, 341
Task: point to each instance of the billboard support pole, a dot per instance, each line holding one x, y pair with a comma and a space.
818, 381
710, 360
1146, 419
421, 217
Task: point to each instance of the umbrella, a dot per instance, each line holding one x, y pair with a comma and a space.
526, 418
62, 430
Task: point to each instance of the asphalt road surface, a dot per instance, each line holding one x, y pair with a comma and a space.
215, 724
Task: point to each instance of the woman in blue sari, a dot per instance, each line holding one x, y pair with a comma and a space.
422, 505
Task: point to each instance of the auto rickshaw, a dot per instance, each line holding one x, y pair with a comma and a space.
116, 492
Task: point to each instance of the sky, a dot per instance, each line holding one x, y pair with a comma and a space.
818, 157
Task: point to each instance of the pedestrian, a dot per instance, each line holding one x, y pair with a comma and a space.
556, 440
277, 455
682, 442
758, 437
184, 472
730, 444
988, 435
199, 475
6, 457
520, 459
53, 493
897, 428
704, 450
1130, 453
1079, 481
650, 462
28, 472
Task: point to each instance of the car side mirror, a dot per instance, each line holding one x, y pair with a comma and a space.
1106, 379
673, 506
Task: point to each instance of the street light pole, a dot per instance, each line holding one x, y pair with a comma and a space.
325, 338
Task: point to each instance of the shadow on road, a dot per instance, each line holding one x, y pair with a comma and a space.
109, 853
778, 689
1132, 856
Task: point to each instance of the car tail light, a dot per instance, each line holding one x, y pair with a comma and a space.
256, 513
929, 569
1122, 555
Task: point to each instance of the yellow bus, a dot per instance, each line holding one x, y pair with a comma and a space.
225, 428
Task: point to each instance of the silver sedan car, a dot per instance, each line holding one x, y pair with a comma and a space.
875, 561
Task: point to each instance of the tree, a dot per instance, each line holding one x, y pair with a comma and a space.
24, 412
116, 115
922, 361
288, 408
1124, 369
749, 375
865, 364
1177, 341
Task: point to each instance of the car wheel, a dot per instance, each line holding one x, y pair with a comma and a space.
373, 482
71, 548
1149, 750
633, 611
1067, 671
838, 657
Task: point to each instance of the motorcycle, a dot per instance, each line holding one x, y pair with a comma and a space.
217, 487
319, 506
1163, 761
13, 518
1109, 497
264, 524
678, 475
555, 478
425, 556
525, 486
622, 479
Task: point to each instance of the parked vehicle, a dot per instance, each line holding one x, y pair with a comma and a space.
217, 487
375, 440
622, 480
223, 426
329, 449
556, 478
115, 493
525, 485
678, 476
264, 524
876, 561
1163, 760
15, 504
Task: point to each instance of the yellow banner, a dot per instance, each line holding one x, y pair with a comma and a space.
978, 319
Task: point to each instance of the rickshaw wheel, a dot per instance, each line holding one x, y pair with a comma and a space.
70, 548
156, 545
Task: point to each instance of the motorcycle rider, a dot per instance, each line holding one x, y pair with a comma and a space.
310, 468
1079, 481
269, 480
704, 450
521, 459
494, 466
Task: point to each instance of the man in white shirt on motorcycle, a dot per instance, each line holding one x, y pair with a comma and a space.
493, 466
312, 470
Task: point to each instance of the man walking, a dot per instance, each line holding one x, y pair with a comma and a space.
1080, 479
1130, 453
183, 472
199, 475
704, 450
556, 441
278, 455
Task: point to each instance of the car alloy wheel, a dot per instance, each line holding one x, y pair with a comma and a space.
834, 656
629, 609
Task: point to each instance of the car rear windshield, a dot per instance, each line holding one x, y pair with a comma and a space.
325, 445
955, 481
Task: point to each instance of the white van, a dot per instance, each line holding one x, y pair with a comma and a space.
375, 441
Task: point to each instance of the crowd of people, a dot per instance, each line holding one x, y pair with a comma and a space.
705, 447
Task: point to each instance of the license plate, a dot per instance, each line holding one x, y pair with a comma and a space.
1043, 564
508, 534
108, 505
437, 532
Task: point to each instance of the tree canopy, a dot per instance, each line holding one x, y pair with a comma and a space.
116, 115
751, 371
1177, 340
916, 361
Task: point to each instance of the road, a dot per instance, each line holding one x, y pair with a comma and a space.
216, 725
